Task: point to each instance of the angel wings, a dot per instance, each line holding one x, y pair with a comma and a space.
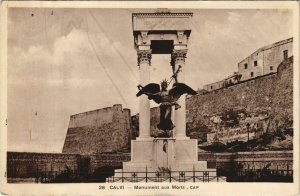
153, 92
166, 99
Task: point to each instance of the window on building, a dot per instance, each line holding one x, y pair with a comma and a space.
246, 66
255, 63
211, 87
271, 68
251, 74
285, 54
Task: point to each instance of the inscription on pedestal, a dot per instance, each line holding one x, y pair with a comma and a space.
161, 23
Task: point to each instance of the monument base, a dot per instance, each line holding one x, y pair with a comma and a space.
167, 156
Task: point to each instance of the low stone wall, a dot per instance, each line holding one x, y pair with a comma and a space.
111, 160
25, 165
250, 160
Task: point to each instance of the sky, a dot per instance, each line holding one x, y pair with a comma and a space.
67, 61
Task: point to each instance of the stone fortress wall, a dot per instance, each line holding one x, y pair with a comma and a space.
102, 130
267, 100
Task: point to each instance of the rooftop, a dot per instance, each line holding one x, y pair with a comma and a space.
267, 47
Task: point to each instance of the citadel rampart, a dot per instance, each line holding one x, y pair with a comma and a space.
103, 130
270, 95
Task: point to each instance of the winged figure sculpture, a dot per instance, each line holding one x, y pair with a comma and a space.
166, 99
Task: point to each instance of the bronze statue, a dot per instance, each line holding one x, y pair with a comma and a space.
166, 99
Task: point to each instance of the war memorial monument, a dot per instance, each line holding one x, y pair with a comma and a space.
172, 152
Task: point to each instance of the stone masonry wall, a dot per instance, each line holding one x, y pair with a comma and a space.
25, 165
103, 130
281, 160
282, 102
267, 99
251, 97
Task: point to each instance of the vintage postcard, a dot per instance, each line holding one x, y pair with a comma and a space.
149, 98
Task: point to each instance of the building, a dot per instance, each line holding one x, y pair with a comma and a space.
266, 59
230, 80
263, 61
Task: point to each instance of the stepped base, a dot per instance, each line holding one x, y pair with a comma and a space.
162, 159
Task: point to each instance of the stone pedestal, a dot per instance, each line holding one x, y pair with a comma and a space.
141, 156
164, 153
186, 156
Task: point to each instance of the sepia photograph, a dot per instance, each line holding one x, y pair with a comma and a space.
150, 99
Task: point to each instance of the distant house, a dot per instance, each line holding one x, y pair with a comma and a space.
266, 59
230, 80
263, 61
